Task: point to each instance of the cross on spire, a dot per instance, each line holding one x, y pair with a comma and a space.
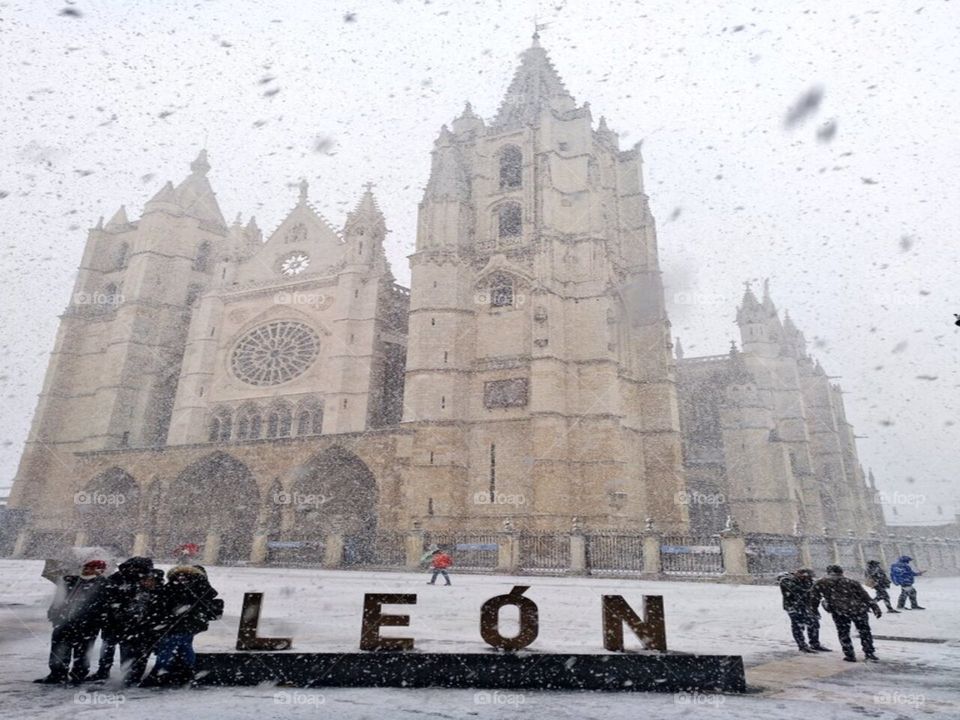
369, 186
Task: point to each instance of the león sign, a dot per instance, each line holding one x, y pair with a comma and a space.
616, 613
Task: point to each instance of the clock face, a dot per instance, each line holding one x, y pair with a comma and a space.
295, 263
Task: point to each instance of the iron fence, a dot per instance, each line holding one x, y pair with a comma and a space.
691, 555
770, 555
544, 553
614, 553
383, 549
468, 550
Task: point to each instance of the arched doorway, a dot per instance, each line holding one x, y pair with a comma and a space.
216, 494
335, 493
108, 510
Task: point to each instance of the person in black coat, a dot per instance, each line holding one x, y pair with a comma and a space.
186, 606
847, 602
77, 615
119, 592
140, 627
878, 580
797, 591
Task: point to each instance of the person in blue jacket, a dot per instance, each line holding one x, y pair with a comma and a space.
903, 575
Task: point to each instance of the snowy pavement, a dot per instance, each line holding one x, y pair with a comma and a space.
321, 610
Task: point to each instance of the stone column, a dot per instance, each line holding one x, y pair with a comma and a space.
333, 550
259, 549
211, 548
82, 538
23, 541
141, 543
413, 548
578, 553
734, 551
651, 555
806, 559
508, 554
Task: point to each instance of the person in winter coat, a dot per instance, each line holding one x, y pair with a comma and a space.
438, 565
139, 634
848, 602
878, 580
119, 592
76, 614
903, 575
186, 606
797, 591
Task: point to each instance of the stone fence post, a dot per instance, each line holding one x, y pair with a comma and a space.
578, 549
333, 550
23, 541
734, 550
508, 552
413, 547
652, 565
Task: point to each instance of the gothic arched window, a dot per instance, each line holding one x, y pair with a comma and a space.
214, 434
511, 167
201, 261
510, 220
278, 422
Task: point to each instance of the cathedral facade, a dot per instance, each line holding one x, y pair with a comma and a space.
209, 385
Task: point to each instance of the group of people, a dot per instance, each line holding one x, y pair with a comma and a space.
846, 600
139, 609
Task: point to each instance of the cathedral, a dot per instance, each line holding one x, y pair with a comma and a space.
214, 386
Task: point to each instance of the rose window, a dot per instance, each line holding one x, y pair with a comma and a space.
275, 353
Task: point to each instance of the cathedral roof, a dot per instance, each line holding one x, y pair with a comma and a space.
536, 86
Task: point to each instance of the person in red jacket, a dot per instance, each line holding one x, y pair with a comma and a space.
439, 564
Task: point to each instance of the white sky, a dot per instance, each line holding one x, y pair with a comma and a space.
706, 85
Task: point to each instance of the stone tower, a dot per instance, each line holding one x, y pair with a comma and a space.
114, 369
538, 369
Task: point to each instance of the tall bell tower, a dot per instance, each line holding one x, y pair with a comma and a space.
538, 365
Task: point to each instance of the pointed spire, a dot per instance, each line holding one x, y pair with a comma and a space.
99, 225
871, 479
468, 121
536, 86
367, 213
119, 219
238, 220
200, 166
750, 309
678, 349
195, 197
768, 305
166, 194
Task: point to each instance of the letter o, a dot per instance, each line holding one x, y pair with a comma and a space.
529, 620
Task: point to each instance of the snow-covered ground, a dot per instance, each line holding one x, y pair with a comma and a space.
321, 610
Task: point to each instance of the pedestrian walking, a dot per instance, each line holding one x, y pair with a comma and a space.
439, 564
903, 575
77, 615
848, 602
877, 578
803, 611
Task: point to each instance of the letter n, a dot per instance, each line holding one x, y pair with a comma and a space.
650, 629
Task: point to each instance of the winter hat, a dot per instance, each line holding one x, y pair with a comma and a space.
92, 565
905, 558
834, 570
183, 571
136, 566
